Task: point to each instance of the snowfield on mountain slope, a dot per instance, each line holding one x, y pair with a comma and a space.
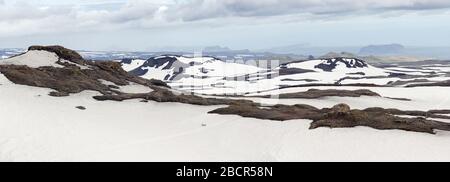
221, 69
133, 64
54, 130
157, 73
340, 68
34, 59
200, 60
206, 75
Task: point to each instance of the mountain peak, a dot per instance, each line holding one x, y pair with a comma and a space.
165, 67
61, 51
332, 63
382, 49
338, 55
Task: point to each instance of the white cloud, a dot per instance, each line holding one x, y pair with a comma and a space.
20, 17
206, 9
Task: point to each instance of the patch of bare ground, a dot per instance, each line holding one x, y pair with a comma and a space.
400, 99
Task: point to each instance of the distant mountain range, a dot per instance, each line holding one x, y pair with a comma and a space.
371, 53
418, 52
388, 49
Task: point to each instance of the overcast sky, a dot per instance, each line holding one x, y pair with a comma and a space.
238, 24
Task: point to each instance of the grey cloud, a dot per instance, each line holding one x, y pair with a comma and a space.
194, 10
22, 17
207, 9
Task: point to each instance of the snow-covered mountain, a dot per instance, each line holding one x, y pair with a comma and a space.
34, 59
172, 68
348, 65
210, 75
213, 76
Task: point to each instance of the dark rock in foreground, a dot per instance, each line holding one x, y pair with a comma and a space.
164, 95
436, 84
62, 52
316, 93
379, 119
331, 85
340, 116
81, 107
291, 71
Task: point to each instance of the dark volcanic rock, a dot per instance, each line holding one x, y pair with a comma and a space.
439, 111
277, 112
315, 93
400, 99
436, 84
357, 73
113, 87
340, 116
331, 64
63, 80
291, 71
58, 94
429, 114
159, 83
62, 52
357, 78
327, 84
164, 95
401, 82
378, 120
81, 107
299, 80
340, 109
